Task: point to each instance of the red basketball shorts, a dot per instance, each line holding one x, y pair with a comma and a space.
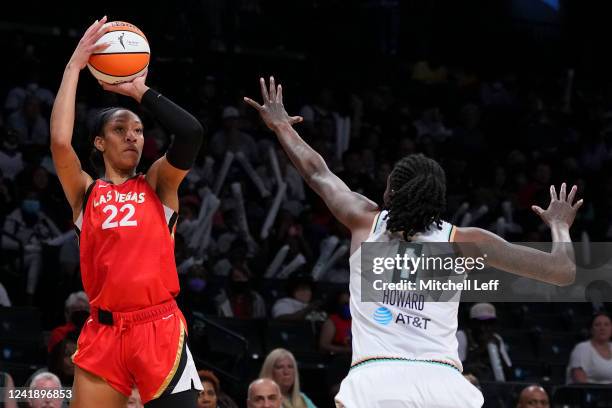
146, 348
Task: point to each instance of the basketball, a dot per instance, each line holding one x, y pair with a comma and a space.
126, 57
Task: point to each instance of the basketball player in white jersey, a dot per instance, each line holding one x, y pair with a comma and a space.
413, 361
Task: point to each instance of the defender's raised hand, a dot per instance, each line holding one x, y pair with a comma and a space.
272, 111
561, 209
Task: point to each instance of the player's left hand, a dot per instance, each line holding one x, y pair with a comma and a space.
562, 209
134, 88
273, 112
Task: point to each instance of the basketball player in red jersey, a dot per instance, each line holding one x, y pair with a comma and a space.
135, 335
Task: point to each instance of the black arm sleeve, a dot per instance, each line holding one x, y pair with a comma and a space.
188, 132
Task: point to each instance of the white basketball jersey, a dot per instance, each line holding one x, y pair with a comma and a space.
401, 329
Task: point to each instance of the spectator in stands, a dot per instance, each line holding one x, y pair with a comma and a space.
76, 311
264, 393
299, 304
591, 360
239, 299
280, 366
7, 384
11, 159
533, 396
17, 96
335, 336
31, 226
30, 124
45, 381
480, 346
60, 358
211, 396
210, 390
197, 292
134, 400
232, 139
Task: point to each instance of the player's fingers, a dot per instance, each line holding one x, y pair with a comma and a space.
578, 204
537, 210
90, 28
553, 193
97, 26
102, 29
253, 103
100, 47
272, 90
295, 119
264, 91
572, 194
279, 94
563, 192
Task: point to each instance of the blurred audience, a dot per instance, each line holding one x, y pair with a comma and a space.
299, 305
533, 396
76, 312
264, 393
211, 396
481, 349
280, 366
335, 336
591, 360
48, 382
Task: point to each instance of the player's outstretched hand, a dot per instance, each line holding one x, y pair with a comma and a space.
134, 88
87, 44
272, 111
561, 209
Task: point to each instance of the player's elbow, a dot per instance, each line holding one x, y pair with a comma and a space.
196, 130
566, 274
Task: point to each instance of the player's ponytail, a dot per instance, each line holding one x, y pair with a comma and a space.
418, 195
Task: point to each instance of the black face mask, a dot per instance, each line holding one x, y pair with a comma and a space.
239, 287
79, 317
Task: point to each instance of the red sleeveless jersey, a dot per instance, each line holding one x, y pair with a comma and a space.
127, 246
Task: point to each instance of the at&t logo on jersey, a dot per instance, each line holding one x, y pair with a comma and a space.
383, 316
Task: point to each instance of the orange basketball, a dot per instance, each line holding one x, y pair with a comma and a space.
125, 59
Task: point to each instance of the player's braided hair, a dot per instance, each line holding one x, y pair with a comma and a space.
418, 195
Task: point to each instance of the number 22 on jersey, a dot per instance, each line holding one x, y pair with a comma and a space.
127, 213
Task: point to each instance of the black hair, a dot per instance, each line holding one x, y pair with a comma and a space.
596, 315
97, 129
297, 280
418, 195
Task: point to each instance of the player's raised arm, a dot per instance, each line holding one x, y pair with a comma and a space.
558, 266
166, 174
351, 209
73, 179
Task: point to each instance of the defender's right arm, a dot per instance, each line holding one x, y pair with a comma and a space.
353, 210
